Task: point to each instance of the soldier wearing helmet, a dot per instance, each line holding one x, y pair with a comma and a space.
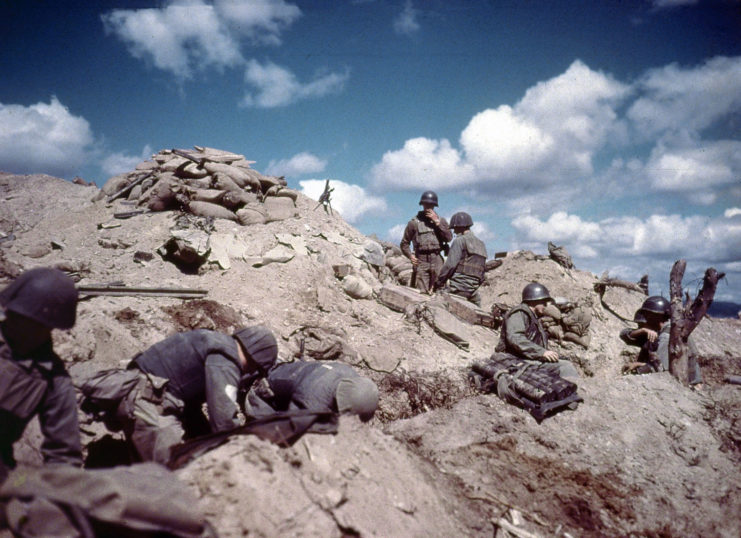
429, 234
33, 379
463, 270
170, 381
317, 386
523, 336
652, 336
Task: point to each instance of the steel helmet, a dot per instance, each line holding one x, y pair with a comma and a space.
428, 197
657, 305
535, 292
45, 295
259, 343
640, 316
461, 220
358, 396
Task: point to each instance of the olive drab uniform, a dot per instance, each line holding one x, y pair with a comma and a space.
464, 268
429, 241
38, 384
523, 336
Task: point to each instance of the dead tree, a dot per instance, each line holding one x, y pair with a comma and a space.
685, 317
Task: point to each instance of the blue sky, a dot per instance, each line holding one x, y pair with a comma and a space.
610, 127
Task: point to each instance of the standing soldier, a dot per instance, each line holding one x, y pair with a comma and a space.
430, 235
465, 265
33, 379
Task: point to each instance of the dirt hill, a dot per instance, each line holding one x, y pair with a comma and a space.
642, 455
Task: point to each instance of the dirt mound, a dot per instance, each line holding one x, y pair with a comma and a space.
642, 455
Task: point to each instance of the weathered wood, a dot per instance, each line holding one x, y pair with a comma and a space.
399, 297
603, 283
684, 318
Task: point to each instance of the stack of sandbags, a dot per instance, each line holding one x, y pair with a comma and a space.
400, 265
568, 321
205, 182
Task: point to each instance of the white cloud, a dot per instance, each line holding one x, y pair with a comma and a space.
276, 86
299, 164
118, 163
549, 137
43, 138
351, 201
261, 20
675, 98
406, 22
482, 231
422, 164
662, 4
180, 37
621, 238
395, 233
731, 212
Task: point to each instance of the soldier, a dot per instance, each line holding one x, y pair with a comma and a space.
464, 267
430, 234
523, 335
652, 336
33, 379
318, 386
163, 389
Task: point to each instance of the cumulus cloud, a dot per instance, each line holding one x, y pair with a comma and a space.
422, 164
277, 86
553, 133
662, 236
732, 212
299, 164
118, 163
395, 233
180, 37
675, 98
664, 4
406, 22
261, 20
351, 201
43, 138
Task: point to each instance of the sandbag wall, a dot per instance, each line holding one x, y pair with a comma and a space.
204, 182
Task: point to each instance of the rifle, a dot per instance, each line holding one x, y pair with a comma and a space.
118, 290
278, 428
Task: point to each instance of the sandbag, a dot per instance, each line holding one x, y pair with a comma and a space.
237, 175
213, 196
207, 209
356, 287
279, 209
251, 215
225, 183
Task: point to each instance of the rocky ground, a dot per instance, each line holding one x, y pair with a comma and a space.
641, 456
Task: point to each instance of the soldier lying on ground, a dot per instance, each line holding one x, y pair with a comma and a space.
33, 379
652, 336
158, 399
429, 234
523, 336
316, 386
465, 265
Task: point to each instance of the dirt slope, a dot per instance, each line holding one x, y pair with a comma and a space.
642, 455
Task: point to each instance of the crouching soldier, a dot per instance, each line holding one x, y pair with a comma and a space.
652, 336
523, 336
465, 265
158, 399
323, 386
33, 379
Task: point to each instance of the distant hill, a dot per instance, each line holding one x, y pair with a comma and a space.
724, 309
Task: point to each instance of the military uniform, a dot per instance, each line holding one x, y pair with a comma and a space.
464, 267
428, 240
655, 355
38, 384
523, 335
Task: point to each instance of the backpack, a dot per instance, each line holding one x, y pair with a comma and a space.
538, 388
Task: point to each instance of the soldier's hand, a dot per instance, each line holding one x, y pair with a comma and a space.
430, 214
415, 260
651, 336
550, 356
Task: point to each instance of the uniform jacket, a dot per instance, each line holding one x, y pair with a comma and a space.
55, 403
201, 366
467, 257
656, 354
522, 334
426, 237
308, 385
